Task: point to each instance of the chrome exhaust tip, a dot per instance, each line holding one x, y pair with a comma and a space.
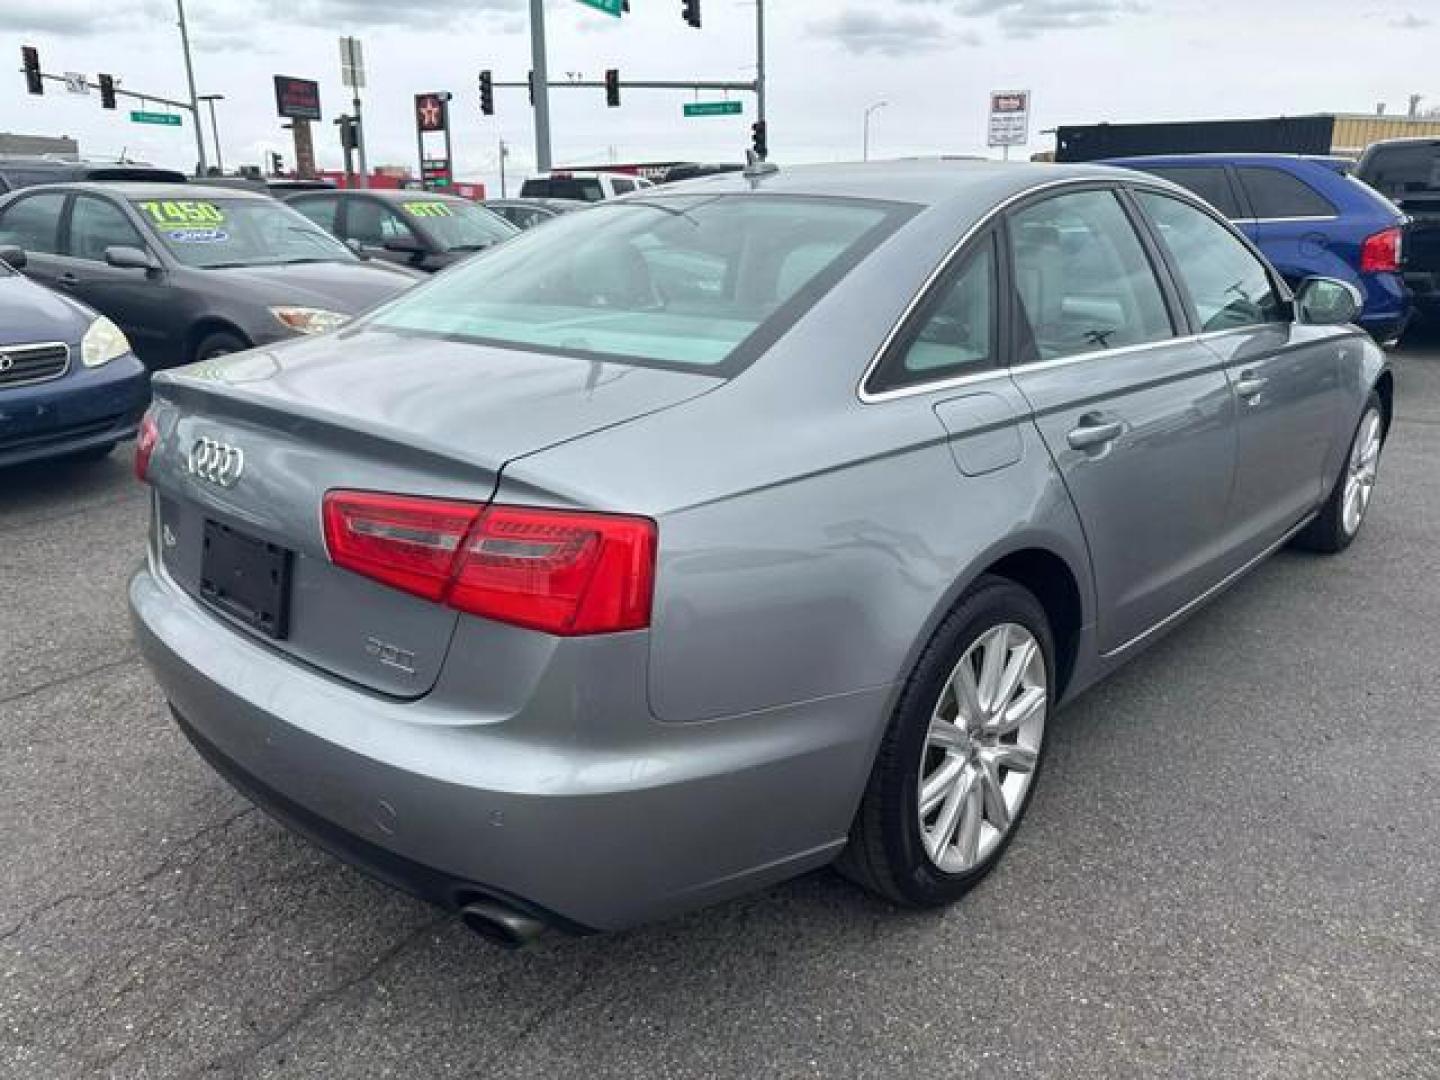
500, 924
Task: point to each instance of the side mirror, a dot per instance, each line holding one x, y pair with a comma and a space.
357, 248
13, 256
405, 245
1322, 301
130, 258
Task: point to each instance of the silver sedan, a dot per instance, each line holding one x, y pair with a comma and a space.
733, 529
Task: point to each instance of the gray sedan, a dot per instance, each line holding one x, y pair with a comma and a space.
709, 537
191, 272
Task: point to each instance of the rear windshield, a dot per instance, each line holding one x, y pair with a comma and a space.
457, 226
213, 233
675, 281
586, 189
1401, 171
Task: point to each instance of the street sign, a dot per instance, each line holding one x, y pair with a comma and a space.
1010, 118
75, 83
352, 63
162, 118
297, 99
609, 7
712, 108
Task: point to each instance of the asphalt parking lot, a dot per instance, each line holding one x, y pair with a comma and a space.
1232, 867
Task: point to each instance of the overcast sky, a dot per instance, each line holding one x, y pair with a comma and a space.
934, 61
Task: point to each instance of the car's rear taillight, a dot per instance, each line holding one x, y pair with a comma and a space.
1380, 253
561, 571
145, 440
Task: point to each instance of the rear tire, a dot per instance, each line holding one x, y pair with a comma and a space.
1344, 511
898, 849
220, 343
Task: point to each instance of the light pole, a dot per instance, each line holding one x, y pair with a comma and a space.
868, 110
190, 78
210, 100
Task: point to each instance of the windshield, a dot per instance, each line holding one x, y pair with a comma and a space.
213, 233
457, 226
678, 281
586, 189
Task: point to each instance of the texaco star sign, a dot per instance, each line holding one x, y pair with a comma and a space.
429, 113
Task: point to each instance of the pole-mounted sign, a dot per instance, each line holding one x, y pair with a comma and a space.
297, 99
1010, 118
432, 113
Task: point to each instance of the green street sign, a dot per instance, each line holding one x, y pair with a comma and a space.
162, 118
713, 108
609, 7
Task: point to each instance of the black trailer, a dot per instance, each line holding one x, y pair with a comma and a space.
1275, 135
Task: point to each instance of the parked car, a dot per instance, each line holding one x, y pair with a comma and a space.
689, 170
196, 277
1407, 171
590, 601
69, 384
582, 186
1309, 218
24, 171
423, 230
282, 186
527, 213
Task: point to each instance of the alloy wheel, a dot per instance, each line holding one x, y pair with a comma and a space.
982, 747
1362, 469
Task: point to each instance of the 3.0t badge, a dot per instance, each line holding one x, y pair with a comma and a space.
216, 462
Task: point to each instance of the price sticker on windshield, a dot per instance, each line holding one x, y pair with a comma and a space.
183, 214
428, 209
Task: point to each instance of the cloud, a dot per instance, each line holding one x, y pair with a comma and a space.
346, 15
890, 35
77, 18
1409, 21
1027, 18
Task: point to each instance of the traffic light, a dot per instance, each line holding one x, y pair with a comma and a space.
107, 91
277, 164
348, 141
612, 87
757, 136
31, 56
691, 10
487, 94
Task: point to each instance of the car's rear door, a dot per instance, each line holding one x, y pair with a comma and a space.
1137, 415
1291, 221
1285, 377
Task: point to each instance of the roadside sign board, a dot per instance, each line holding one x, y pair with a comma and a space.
430, 111
609, 7
1010, 118
161, 118
75, 83
352, 63
712, 108
297, 99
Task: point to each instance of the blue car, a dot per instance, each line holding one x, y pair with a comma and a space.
69, 383
1309, 217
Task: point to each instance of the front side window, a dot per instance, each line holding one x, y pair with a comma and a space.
215, 233
320, 209
97, 224
1210, 182
1083, 277
954, 329
1227, 284
33, 223
373, 223
675, 281
1276, 194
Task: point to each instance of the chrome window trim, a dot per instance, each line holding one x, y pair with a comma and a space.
64, 369
1280, 220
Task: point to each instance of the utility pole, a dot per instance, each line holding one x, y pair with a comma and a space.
210, 100
540, 79
504, 153
352, 74
865, 153
190, 78
760, 60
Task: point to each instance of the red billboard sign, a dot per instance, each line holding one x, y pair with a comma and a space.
297, 99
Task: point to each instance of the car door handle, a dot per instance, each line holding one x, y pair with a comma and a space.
1094, 432
1249, 384
67, 278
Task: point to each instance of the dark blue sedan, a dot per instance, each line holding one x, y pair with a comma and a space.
69, 383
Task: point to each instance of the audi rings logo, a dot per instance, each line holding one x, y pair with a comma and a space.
6, 362
216, 462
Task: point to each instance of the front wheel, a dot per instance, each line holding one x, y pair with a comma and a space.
1339, 520
958, 763
221, 343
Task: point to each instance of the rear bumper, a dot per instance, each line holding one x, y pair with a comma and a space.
600, 820
84, 409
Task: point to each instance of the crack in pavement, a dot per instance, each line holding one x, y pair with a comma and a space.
109, 665
180, 848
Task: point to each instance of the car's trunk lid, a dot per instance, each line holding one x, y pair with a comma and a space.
370, 411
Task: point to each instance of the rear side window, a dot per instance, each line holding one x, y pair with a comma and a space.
1210, 182
1276, 194
1228, 285
953, 332
1084, 280
33, 223
320, 210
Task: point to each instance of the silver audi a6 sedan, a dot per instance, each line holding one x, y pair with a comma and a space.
726, 531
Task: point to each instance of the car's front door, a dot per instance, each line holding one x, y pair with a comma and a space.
1285, 376
373, 224
1138, 417
32, 222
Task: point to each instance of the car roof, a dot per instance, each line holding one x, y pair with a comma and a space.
1238, 158
388, 194
925, 183
130, 189
552, 203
